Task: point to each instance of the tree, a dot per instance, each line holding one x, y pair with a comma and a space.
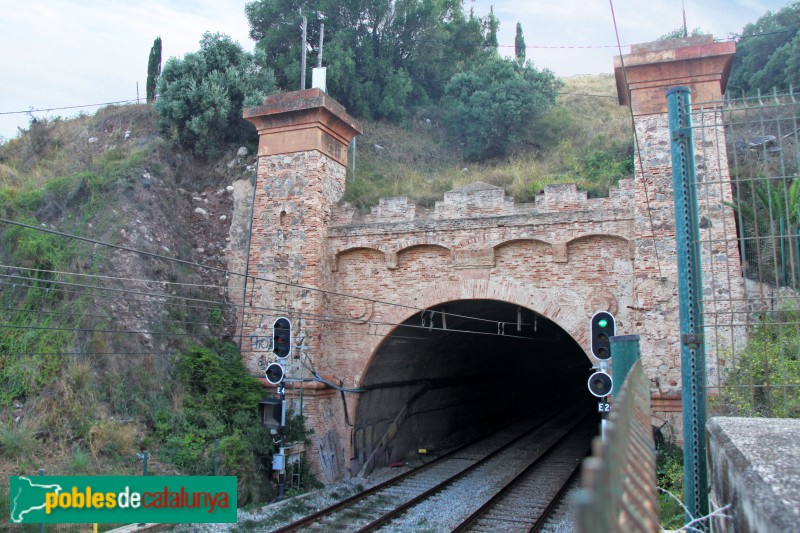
679, 33
153, 70
519, 44
202, 95
382, 55
767, 52
487, 106
492, 25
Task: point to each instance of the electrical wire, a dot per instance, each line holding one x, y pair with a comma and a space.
231, 273
731, 37
113, 278
636, 142
312, 317
310, 368
39, 110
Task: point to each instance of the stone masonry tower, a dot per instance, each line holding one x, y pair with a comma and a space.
302, 155
643, 77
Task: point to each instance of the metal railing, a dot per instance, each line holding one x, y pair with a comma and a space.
619, 480
753, 329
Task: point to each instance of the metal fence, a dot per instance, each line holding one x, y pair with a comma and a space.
619, 480
751, 259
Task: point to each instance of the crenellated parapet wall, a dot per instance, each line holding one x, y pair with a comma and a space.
482, 200
347, 278
471, 222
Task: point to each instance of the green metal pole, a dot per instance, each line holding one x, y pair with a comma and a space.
216, 457
783, 251
797, 252
624, 353
41, 526
693, 363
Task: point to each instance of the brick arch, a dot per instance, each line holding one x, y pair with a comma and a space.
352, 247
402, 245
338, 254
628, 242
518, 240
569, 311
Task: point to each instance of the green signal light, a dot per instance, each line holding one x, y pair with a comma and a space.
602, 322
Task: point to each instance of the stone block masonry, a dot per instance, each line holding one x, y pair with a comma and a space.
564, 257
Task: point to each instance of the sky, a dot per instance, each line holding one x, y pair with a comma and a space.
64, 53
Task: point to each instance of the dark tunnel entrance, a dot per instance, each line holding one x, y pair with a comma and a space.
438, 380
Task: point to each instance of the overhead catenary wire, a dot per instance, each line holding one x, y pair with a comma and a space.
232, 273
313, 317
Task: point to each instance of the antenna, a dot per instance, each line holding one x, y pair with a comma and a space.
303, 60
685, 29
321, 37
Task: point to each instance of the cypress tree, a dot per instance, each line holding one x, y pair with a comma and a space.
492, 24
153, 70
519, 44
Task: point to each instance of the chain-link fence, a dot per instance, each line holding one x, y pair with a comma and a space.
750, 252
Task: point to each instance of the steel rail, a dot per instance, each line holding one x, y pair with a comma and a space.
516, 480
348, 502
444, 484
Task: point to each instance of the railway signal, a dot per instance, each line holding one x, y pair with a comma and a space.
282, 338
274, 373
600, 384
602, 329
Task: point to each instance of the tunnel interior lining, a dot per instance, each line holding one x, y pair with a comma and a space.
456, 370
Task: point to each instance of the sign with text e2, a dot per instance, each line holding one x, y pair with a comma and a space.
122, 499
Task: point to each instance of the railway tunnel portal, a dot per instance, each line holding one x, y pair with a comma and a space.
368, 294
460, 369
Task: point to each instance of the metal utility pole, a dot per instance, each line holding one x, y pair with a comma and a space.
693, 357
321, 37
303, 60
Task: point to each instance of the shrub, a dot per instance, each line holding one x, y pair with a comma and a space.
766, 378
112, 438
669, 472
216, 383
201, 96
487, 105
16, 440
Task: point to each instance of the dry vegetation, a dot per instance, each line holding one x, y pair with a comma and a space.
86, 175
583, 139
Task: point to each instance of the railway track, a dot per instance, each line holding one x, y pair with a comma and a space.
473, 466
530, 498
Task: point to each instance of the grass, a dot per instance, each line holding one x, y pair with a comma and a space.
17, 440
584, 140
74, 174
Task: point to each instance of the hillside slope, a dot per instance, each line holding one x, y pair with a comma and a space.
94, 337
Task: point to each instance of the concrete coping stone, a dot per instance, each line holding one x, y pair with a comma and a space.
755, 466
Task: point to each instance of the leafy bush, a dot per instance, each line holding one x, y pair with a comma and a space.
383, 58
669, 473
200, 97
767, 54
766, 379
217, 384
487, 105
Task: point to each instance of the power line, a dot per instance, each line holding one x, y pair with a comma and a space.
731, 37
636, 141
311, 317
228, 272
39, 110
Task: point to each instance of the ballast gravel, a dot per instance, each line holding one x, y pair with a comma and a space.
436, 515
